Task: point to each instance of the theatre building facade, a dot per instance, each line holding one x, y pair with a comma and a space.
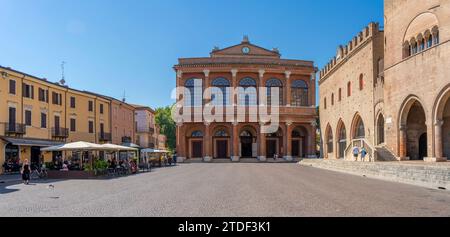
246, 66
389, 90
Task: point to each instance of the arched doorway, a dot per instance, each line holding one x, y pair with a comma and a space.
380, 130
342, 140
273, 143
422, 146
196, 144
221, 143
442, 125
413, 130
329, 142
298, 144
247, 147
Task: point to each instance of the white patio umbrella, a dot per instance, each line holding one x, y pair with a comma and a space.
75, 146
113, 147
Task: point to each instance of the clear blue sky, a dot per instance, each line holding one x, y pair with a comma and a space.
112, 46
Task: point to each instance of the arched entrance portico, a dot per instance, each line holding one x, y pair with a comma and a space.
273, 143
299, 142
380, 130
413, 131
221, 143
442, 126
328, 142
248, 143
341, 140
195, 141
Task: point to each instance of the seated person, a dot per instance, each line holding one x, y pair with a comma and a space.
65, 167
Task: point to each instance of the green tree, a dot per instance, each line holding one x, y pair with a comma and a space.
167, 125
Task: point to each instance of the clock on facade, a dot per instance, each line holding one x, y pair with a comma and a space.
246, 50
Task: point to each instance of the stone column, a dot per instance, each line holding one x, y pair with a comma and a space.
288, 142
312, 141
206, 85
313, 89
288, 88
181, 156
262, 145
261, 84
438, 147
403, 143
207, 144
235, 84
235, 137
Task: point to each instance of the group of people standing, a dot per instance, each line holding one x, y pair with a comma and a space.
360, 151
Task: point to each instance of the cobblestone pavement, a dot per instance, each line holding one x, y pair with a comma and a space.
225, 190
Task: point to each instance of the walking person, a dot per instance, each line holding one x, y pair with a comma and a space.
363, 154
174, 158
26, 171
356, 152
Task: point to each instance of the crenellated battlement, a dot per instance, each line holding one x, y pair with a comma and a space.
343, 52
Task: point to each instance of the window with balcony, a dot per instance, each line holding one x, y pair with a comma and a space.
191, 98
247, 92
299, 93
221, 86
278, 86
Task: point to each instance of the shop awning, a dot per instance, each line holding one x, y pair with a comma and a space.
131, 145
31, 142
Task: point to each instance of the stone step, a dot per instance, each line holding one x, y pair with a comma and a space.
426, 175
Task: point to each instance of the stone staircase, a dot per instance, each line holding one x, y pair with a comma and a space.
430, 175
384, 154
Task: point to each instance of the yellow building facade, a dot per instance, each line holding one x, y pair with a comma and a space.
36, 113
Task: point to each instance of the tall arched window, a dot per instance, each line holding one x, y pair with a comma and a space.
340, 94
332, 99
299, 93
413, 47
223, 84
421, 44
330, 141
349, 89
250, 97
274, 83
436, 38
430, 41
325, 102
194, 99
361, 82
360, 132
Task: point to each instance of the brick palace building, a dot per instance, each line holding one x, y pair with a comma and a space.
389, 89
248, 66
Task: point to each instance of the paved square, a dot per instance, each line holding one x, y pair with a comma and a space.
225, 190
